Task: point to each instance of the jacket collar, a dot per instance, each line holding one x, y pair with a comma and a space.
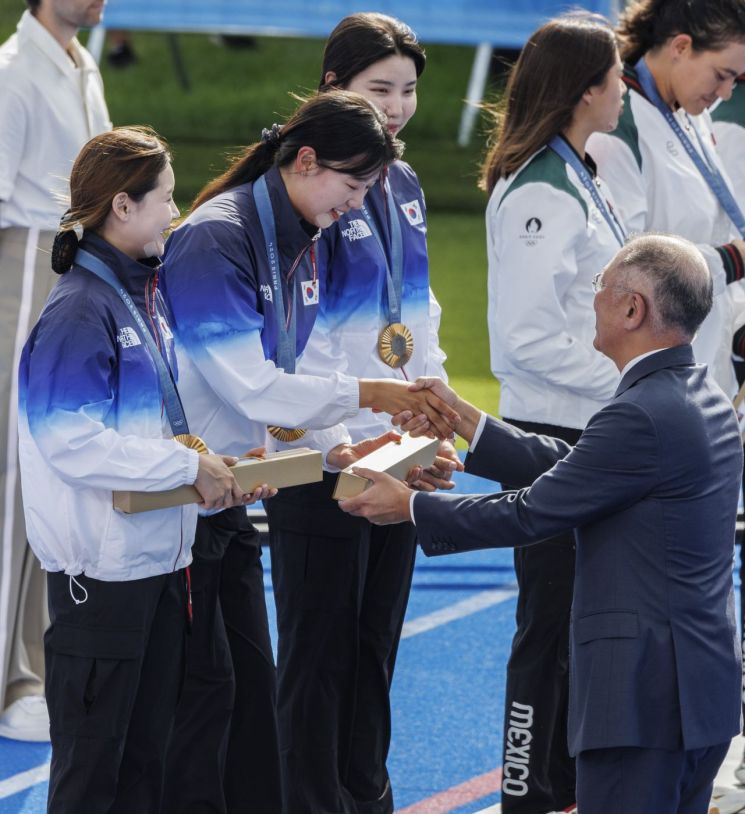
631, 79
292, 235
680, 355
32, 32
132, 274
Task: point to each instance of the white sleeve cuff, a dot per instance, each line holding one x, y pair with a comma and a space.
411, 507
192, 462
477, 434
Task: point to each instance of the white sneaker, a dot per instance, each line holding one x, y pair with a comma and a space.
727, 801
740, 772
26, 719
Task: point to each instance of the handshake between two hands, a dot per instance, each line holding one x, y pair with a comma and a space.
433, 409
425, 407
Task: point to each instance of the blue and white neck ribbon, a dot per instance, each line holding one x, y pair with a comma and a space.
172, 402
565, 152
706, 164
286, 348
394, 268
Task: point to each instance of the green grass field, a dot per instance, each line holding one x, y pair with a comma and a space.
236, 92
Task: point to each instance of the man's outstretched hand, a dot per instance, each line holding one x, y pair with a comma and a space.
397, 397
468, 415
385, 502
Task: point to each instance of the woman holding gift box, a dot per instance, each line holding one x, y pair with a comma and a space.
243, 281
342, 585
98, 409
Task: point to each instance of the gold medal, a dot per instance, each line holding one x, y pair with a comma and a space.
395, 345
192, 442
286, 435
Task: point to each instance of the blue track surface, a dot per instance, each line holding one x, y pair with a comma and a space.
447, 695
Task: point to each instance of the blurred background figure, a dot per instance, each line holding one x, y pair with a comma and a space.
729, 130
121, 53
51, 104
679, 59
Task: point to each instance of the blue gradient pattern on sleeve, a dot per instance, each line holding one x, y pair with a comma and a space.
218, 282
76, 365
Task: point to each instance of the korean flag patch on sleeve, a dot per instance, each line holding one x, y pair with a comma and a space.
413, 212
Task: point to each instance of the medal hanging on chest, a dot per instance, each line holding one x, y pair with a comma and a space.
395, 342
192, 442
285, 434
286, 329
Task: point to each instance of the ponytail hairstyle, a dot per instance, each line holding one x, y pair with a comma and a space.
360, 40
711, 25
346, 131
125, 159
560, 61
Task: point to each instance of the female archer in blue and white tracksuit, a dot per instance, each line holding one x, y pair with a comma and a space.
98, 411
341, 585
243, 281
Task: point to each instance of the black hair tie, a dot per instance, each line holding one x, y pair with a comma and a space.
65, 245
272, 135
64, 249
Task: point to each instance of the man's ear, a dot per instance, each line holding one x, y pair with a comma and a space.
329, 77
636, 311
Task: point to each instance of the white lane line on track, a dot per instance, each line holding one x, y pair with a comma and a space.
430, 621
24, 780
475, 603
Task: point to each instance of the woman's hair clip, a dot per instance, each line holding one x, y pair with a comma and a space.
272, 135
66, 222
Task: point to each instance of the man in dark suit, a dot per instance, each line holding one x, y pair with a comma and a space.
651, 489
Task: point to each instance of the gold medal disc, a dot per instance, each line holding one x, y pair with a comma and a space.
395, 345
284, 434
192, 442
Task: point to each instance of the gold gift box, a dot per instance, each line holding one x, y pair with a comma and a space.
292, 467
396, 458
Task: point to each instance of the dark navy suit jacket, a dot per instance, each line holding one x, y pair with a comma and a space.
651, 489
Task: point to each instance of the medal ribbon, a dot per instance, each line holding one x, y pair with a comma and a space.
171, 400
707, 167
286, 348
394, 269
565, 152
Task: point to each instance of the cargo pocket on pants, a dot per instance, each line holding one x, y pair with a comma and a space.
92, 676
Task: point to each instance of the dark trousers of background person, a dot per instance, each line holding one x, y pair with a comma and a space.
538, 775
114, 669
341, 586
224, 755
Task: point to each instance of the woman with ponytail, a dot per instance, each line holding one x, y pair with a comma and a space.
243, 282
551, 227
661, 161
339, 622
98, 411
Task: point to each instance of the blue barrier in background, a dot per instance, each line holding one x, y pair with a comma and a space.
501, 23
